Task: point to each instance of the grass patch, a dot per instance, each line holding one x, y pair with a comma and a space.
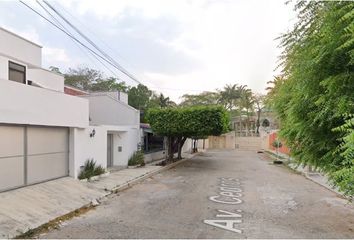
137, 159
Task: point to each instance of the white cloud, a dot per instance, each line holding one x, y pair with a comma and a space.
55, 56
232, 41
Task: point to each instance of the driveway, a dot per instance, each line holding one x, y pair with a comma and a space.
218, 194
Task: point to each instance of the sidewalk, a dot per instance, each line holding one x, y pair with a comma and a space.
27, 208
316, 177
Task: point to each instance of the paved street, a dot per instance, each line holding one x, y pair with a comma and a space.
256, 200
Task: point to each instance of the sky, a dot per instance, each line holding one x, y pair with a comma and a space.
172, 46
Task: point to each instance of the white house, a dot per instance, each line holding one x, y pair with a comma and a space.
46, 134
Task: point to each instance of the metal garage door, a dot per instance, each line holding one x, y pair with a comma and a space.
12, 166
30, 155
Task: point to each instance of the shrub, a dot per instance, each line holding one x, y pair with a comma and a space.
136, 159
277, 144
90, 169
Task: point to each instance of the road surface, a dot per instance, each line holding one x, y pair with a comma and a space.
218, 194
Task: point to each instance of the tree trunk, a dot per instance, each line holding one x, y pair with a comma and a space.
195, 147
170, 149
181, 141
258, 120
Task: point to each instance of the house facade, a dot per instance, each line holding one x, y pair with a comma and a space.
46, 133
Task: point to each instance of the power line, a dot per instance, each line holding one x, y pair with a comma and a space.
122, 69
71, 38
95, 35
78, 41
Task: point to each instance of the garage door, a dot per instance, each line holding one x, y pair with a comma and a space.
31, 155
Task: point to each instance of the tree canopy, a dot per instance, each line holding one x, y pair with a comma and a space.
188, 122
92, 80
315, 92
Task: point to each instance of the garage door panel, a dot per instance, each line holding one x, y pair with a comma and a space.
46, 166
11, 141
47, 140
11, 172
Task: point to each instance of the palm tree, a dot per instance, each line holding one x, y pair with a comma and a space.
259, 105
244, 102
229, 96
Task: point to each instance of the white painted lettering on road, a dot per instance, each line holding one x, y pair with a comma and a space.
218, 199
229, 214
230, 193
224, 224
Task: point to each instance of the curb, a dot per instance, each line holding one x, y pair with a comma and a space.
145, 176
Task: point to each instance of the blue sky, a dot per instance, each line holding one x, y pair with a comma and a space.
172, 46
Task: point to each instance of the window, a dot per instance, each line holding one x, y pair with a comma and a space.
17, 72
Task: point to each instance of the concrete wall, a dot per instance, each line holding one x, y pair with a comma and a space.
20, 49
46, 79
84, 147
225, 141
248, 143
106, 110
23, 104
150, 157
128, 141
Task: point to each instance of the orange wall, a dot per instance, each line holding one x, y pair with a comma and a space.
284, 149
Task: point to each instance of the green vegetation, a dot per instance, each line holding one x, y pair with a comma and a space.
315, 92
92, 80
178, 124
90, 169
136, 159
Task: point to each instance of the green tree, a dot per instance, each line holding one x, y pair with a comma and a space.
83, 77
229, 96
54, 69
202, 99
316, 89
109, 84
92, 80
162, 101
258, 101
178, 124
139, 97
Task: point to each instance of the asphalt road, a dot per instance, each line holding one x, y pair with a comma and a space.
256, 199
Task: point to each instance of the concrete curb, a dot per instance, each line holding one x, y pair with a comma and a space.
145, 176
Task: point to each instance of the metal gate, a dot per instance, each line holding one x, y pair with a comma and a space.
31, 155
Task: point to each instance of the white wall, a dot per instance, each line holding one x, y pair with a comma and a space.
105, 110
46, 79
128, 140
150, 157
20, 49
84, 147
23, 104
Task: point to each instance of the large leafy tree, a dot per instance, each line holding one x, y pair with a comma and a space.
202, 99
162, 101
91, 80
178, 124
315, 92
140, 97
